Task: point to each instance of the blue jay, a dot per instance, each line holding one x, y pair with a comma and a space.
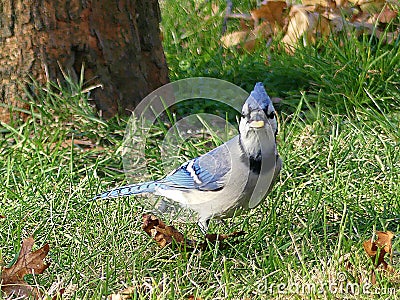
229, 179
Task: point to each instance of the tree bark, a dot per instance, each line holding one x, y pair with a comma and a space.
117, 41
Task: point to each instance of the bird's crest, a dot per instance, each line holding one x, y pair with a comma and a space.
258, 98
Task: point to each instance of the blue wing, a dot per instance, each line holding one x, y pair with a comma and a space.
207, 172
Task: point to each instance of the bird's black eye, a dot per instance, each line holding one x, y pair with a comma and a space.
270, 115
243, 115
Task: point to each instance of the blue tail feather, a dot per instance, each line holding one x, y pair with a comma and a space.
127, 190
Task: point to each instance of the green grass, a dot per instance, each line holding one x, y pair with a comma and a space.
339, 141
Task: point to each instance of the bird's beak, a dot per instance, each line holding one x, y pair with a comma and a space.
257, 124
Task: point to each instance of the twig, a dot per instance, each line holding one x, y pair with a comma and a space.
228, 12
239, 16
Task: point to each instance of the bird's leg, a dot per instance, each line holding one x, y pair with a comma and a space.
203, 224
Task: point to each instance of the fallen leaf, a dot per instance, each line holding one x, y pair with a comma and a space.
341, 3
12, 278
164, 234
387, 37
244, 26
382, 246
2, 217
383, 242
371, 6
313, 19
327, 4
272, 12
386, 15
304, 24
247, 39
265, 30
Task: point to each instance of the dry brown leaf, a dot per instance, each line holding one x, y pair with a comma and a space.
387, 37
364, 274
247, 39
304, 24
327, 4
265, 30
342, 3
360, 16
2, 217
383, 242
383, 246
386, 15
368, 21
371, 6
161, 233
299, 23
272, 12
313, 19
164, 234
244, 26
12, 278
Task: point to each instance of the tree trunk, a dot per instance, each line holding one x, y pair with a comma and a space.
117, 41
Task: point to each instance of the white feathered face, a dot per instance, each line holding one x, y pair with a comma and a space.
254, 118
